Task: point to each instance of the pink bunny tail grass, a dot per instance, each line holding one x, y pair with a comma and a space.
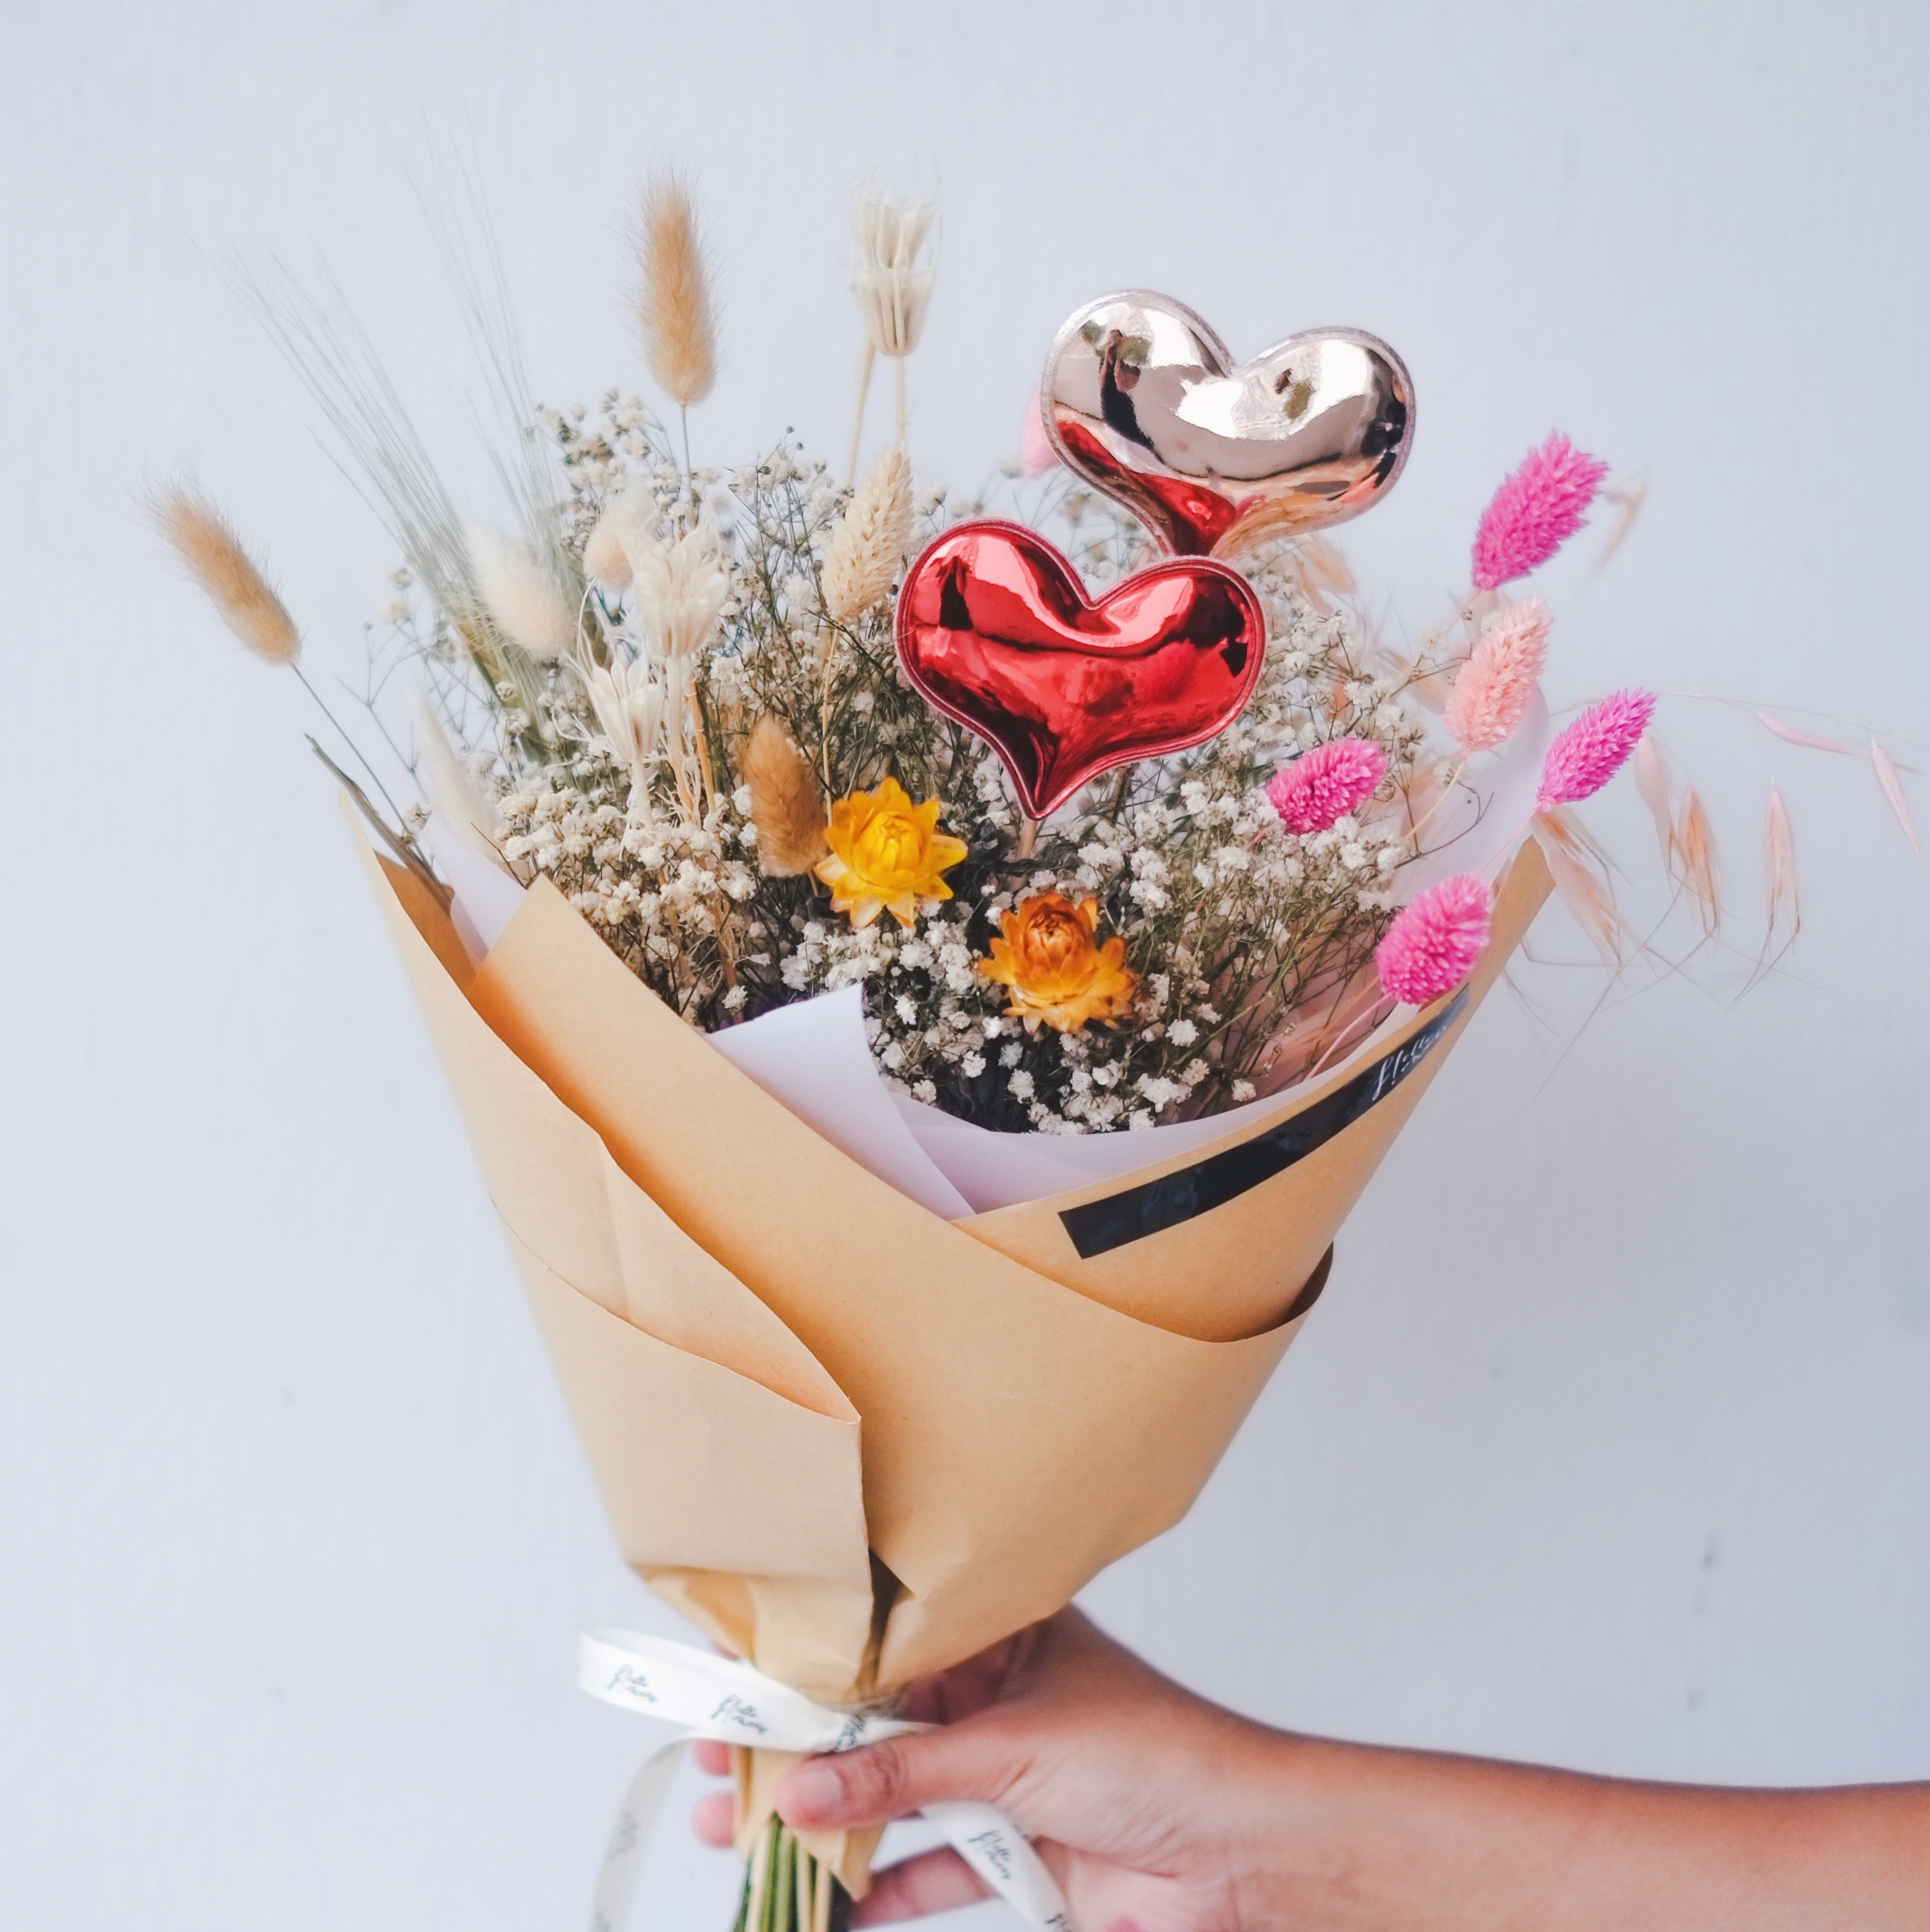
1431, 946
1535, 512
1500, 676
1585, 757
1036, 453
1326, 783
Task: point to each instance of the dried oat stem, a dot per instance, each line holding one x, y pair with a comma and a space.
857, 418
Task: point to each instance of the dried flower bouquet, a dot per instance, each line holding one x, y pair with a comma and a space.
671, 711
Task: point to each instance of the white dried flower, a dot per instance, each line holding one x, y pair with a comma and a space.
604, 557
893, 287
629, 703
519, 594
678, 588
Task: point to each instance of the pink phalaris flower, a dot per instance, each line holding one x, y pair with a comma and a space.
1500, 677
1326, 783
1036, 453
1433, 944
1535, 512
1585, 757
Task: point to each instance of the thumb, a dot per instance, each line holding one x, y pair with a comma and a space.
891, 1779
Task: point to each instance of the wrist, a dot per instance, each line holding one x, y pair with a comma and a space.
1292, 1832
1346, 1836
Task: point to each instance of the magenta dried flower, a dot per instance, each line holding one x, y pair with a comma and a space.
1535, 511
1434, 943
1585, 757
1327, 783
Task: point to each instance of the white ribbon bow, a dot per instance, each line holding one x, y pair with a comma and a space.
718, 1698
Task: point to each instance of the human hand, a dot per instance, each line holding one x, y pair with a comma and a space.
1152, 1807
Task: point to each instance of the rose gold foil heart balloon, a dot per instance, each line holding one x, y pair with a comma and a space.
1144, 400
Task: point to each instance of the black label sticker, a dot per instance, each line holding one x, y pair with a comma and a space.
1145, 1210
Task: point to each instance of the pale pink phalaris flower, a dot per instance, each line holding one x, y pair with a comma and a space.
1695, 850
1535, 511
1779, 859
1036, 453
1891, 781
1500, 677
1585, 757
1325, 784
1434, 943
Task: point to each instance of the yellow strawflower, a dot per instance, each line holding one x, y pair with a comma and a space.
886, 854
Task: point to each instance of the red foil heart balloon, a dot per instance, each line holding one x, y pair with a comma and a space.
996, 630
1145, 402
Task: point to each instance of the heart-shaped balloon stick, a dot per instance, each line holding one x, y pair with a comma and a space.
1144, 400
995, 630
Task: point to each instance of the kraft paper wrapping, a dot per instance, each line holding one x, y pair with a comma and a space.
781, 1368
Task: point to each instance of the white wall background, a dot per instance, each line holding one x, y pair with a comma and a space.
1609, 1445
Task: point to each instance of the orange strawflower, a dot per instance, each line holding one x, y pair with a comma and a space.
1059, 977
886, 854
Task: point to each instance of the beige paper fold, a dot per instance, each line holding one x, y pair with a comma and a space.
669, 1435
683, 1385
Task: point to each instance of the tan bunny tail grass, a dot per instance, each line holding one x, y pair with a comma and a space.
206, 542
786, 805
674, 306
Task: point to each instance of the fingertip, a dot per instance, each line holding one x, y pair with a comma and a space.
712, 1819
939, 1880
713, 1757
810, 1795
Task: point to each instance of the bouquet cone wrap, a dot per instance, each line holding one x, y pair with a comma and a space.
854, 1441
